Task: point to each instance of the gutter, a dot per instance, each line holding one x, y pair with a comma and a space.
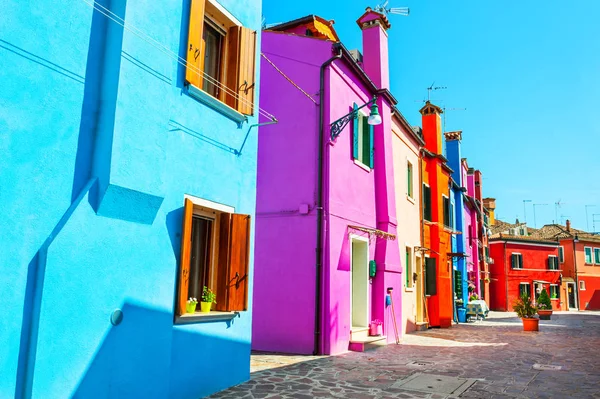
319, 244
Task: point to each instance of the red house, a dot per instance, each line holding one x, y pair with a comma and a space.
523, 264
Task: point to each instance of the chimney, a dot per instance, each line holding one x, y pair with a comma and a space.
490, 204
568, 225
432, 127
375, 47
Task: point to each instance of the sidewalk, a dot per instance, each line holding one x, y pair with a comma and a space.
485, 359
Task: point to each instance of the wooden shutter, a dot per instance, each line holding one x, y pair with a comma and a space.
241, 60
371, 145
233, 262
513, 261
430, 276
184, 262
355, 132
195, 48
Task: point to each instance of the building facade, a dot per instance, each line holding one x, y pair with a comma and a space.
326, 212
437, 230
126, 192
522, 265
407, 144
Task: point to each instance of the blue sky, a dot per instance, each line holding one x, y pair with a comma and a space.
528, 74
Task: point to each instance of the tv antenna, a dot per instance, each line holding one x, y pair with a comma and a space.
384, 9
432, 88
445, 115
557, 205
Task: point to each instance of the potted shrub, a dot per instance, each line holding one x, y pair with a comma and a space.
208, 298
544, 305
190, 306
526, 310
473, 297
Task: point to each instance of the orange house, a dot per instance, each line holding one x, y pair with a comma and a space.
437, 243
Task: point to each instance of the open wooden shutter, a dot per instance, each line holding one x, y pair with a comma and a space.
355, 132
241, 60
371, 146
239, 259
184, 262
195, 48
234, 259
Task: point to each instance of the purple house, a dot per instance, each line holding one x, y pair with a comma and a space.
473, 243
325, 218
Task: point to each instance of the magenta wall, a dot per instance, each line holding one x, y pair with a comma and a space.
284, 276
471, 218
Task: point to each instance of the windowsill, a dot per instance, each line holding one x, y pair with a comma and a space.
410, 199
362, 165
205, 317
216, 105
409, 290
428, 222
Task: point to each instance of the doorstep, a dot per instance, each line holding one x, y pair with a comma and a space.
422, 326
365, 344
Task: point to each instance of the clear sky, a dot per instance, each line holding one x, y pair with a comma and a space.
528, 74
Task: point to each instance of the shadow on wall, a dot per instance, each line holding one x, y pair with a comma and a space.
594, 303
145, 356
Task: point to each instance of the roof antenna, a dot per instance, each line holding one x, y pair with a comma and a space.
384, 9
431, 88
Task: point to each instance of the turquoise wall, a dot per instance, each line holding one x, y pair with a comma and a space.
100, 141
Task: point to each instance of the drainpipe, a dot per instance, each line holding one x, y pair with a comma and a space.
576, 278
423, 299
319, 246
505, 276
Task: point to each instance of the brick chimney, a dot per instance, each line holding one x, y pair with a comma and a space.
374, 28
568, 225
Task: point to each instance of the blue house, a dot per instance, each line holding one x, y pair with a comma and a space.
458, 183
128, 182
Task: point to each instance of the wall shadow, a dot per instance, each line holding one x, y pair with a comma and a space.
183, 39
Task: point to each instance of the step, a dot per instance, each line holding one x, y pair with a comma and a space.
422, 326
359, 333
367, 343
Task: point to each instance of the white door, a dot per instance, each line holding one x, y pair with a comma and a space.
359, 282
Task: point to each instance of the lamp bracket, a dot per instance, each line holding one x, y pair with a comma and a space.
338, 126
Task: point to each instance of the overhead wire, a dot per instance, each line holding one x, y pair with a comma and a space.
288, 78
156, 44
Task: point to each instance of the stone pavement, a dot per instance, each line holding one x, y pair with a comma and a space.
486, 359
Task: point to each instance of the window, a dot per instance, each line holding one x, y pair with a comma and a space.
554, 291
597, 256
552, 262
447, 211
214, 253
525, 289
362, 148
561, 254
409, 179
521, 231
426, 202
409, 268
221, 56
516, 261
581, 285
588, 254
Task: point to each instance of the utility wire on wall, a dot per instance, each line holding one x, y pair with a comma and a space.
288, 78
156, 44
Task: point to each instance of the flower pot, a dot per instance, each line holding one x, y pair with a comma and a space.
205, 307
531, 324
545, 314
375, 329
190, 307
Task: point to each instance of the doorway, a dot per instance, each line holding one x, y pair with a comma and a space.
571, 297
359, 271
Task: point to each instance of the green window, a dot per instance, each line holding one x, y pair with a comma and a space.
552, 263
561, 254
597, 256
554, 291
362, 148
426, 203
588, 254
525, 289
516, 261
409, 179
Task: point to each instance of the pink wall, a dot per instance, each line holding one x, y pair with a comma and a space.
471, 219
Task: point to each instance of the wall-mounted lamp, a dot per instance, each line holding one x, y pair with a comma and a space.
374, 118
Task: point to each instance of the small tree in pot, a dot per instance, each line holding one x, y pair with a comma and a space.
544, 305
526, 310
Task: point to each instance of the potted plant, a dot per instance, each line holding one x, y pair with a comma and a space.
473, 297
190, 306
208, 298
526, 310
544, 305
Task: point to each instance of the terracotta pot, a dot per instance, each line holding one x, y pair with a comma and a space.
545, 314
531, 324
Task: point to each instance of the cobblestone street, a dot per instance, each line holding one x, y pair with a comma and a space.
484, 359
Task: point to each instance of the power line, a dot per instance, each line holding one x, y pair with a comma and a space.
156, 44
287, 78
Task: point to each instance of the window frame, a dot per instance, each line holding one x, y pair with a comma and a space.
596, 256
426, 200
361, 133
561, 254
554, 263
409, 180
581, 285
230, 251
447, 210
528, 285
520, 258
557, 288
591, 262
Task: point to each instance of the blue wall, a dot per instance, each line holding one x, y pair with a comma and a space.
100, 142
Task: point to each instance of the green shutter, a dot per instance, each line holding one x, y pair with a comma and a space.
409, 180
355, 133
513, 261
371, 145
